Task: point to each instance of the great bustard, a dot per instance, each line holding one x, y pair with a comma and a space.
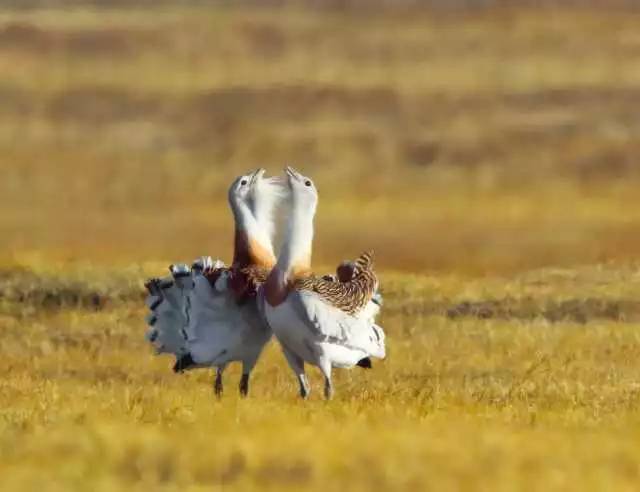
217, 313
315, 319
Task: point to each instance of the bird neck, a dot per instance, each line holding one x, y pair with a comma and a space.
252, 244
295, 258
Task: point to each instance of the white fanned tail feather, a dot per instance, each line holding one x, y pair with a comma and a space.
220, 330
168, 302
200, 323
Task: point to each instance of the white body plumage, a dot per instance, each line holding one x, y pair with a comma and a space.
321, 334
219, 324
308, 328
222, 331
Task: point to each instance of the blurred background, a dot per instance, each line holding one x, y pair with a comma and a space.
470, 136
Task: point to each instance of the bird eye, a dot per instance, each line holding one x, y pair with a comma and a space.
307, 183
243, 182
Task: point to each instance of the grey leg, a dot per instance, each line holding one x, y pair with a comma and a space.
304, 386
325, 367
247, 367
217, 387
297, 365
244, 385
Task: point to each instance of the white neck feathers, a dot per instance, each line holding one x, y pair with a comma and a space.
253, 245
295, 257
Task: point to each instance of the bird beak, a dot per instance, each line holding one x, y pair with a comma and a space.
256, 176
292, 173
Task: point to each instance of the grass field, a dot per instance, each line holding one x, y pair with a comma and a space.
522, 383
488, 155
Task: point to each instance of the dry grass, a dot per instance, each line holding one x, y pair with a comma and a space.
497, 139
488, 155
464, 402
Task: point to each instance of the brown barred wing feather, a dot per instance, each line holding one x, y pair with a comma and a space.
364, 262
256, 275
350, 296
244, 282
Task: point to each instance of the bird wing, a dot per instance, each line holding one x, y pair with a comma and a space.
350, 296
333, 325
217, 324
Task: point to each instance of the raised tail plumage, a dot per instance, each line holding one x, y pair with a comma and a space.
168, 301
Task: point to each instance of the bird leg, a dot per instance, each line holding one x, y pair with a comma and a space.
325, 367
217, 386
244, 385
304, 386
297, 365
328, 388
247, 366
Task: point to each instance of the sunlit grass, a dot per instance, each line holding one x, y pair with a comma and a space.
487, 156
493, 400
472, 143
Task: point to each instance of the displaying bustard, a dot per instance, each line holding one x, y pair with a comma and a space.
318, 320
212, 308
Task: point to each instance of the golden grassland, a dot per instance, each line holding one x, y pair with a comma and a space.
494, 140
521, 383
488, 156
